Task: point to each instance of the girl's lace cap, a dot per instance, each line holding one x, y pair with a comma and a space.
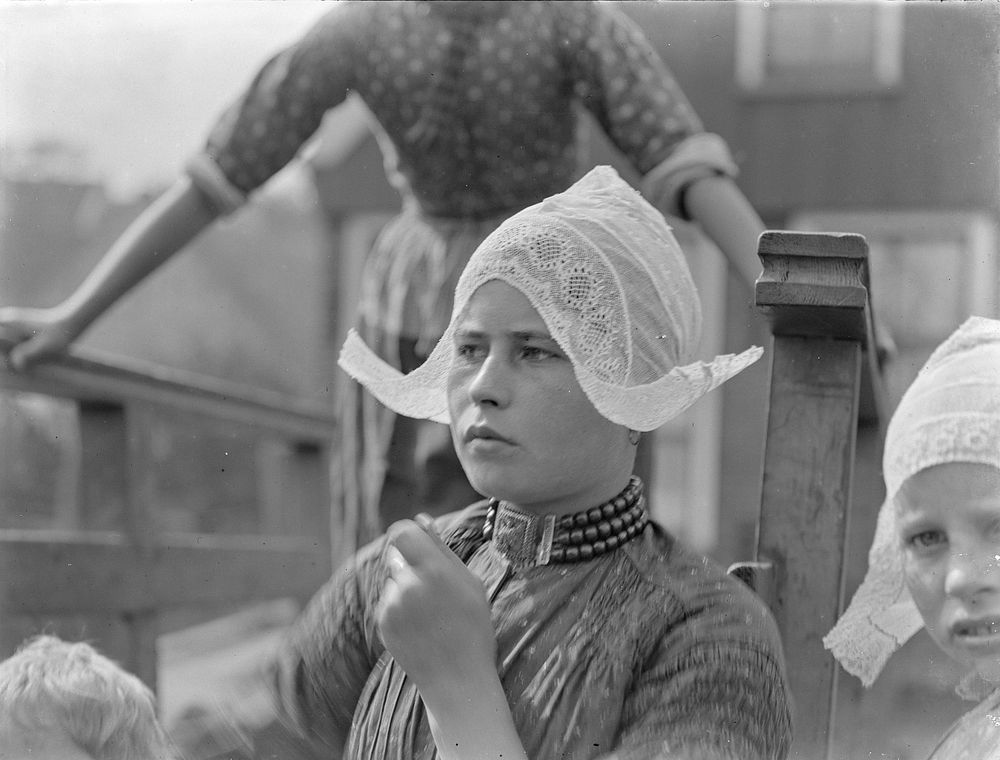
950, 413
604, 271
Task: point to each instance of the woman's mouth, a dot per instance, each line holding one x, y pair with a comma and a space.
485, 440
484, 433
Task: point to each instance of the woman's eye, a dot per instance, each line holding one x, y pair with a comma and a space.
469, 351
533, 352
537, 353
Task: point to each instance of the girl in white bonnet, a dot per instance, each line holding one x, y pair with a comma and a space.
935, 558
555, 618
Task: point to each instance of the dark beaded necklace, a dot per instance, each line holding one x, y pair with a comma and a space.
527, 539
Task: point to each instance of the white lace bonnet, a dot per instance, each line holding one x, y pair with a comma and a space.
951, 413
605, 273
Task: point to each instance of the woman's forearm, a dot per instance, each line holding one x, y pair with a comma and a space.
163, 229
472, 721
727, 217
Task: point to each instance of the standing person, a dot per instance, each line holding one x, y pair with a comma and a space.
935, 558
66, 701
554, 619
474, 105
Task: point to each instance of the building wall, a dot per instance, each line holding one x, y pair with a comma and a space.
930, 142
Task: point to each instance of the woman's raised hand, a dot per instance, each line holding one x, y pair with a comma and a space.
433, 616
36, 333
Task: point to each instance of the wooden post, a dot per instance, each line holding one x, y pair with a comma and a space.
116, 494
814, 291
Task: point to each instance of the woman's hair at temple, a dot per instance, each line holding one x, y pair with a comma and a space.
51, 684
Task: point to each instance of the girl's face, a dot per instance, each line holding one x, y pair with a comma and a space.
524, 430
949, 525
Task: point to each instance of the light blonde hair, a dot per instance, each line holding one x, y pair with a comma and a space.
53, 685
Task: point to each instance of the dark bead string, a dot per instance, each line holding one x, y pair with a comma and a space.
592, 532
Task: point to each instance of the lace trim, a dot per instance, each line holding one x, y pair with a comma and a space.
968, 437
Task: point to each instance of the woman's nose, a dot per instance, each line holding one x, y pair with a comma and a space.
491, 383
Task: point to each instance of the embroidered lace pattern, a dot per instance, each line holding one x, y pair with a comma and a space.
605, 273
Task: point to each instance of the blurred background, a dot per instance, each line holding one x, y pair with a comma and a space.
874, 118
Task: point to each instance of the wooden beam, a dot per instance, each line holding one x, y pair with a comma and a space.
95, 376
104, 573
816, 284
813, 290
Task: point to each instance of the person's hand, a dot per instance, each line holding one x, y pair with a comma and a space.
36, 333
433, 616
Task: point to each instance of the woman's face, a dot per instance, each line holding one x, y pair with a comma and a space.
524, 430
949, 525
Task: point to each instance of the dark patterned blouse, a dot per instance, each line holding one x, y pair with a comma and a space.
475, 101
649, 651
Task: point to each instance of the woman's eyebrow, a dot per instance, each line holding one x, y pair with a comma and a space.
531, 335
522, 335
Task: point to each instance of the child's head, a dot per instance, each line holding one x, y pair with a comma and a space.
60, 699
948, 523
935, 559
601, 278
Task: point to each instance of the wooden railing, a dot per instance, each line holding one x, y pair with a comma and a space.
128, 577
824, 392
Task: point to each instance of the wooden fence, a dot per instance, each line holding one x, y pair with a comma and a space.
122, 585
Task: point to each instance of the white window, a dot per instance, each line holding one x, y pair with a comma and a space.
930, 270
818, 49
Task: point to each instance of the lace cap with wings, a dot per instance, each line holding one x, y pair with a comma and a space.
950, 413
602, 268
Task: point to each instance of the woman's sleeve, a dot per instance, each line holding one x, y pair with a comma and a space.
281, 109
714, 689
333, 647
624, 83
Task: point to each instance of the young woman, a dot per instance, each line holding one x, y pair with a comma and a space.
935, 558
554, 619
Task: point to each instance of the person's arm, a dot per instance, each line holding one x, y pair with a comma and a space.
434, 619
686, 171
257, 136
328, 655
471, 720
717, 204
714, 687
162, 230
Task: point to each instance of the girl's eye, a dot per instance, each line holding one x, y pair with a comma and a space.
926, 539
993, 530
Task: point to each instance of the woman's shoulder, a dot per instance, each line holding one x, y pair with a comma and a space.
693, 582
